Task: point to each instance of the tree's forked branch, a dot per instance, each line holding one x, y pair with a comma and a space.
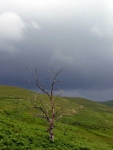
54, 80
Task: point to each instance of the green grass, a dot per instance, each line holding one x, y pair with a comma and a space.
86, 125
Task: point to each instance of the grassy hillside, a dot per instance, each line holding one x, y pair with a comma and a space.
108, 103
91, 115
86, 125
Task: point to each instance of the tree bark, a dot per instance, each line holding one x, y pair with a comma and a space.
51, 133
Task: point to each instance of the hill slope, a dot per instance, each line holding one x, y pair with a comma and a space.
108, 103
86, 125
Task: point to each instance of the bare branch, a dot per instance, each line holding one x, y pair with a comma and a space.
44, 112
45, 104
59, 117
54, 80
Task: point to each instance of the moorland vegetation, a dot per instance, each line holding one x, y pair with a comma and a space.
86, 125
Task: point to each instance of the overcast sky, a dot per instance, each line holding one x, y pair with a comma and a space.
76, 35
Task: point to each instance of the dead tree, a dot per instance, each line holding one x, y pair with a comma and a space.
53, 114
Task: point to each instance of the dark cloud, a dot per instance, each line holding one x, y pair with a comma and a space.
76, 36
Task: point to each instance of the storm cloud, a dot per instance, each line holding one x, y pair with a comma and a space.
75, 35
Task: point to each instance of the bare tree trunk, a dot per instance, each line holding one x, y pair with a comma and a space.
51, 134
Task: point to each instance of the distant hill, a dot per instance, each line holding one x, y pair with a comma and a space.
108, 103
86, 125
89, 104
